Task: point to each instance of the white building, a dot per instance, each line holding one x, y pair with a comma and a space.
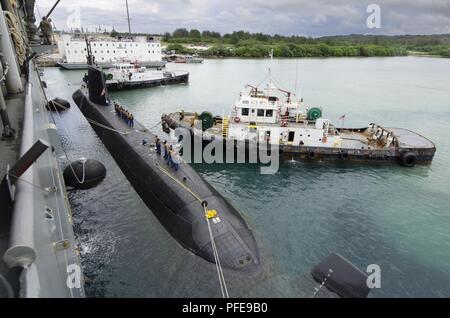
109, 50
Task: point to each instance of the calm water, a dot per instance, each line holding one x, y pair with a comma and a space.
388, 215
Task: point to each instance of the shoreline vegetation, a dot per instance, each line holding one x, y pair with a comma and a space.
243, 44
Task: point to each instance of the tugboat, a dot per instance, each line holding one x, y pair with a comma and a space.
272, 116
184, 59
129, 75
194, 59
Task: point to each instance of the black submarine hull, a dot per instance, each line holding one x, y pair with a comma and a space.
181, 214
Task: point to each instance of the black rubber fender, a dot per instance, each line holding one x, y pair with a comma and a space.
344, 155
408, 159
312, 155
93, 172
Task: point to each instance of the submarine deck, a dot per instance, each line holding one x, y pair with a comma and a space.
181, 192
135, 135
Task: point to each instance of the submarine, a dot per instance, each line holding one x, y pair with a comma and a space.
196, 215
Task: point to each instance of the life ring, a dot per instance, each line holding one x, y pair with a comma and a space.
284, 123
408, 159
237, 120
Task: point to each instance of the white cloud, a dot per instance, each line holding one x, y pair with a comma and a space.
319, 17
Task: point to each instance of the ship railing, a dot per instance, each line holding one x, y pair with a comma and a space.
293, 119
42, 210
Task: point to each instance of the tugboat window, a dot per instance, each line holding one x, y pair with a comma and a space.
269, 113
260, 112
245, 111
291, 136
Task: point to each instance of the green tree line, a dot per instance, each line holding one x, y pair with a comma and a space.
245, 44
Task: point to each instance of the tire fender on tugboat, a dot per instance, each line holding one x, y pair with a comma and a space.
312, 154
408, 159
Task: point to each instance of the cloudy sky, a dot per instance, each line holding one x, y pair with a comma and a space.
288, 17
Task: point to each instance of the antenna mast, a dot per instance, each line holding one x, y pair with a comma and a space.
128, 17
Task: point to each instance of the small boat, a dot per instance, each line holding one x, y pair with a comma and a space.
272, 116
195, 59
184, 59
129, 75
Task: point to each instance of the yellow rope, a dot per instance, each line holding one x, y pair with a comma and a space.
208, 215
16, 36
13, 3
180, 183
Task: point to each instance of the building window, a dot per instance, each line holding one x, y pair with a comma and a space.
291, 136
269, 113
244, 111
260, 112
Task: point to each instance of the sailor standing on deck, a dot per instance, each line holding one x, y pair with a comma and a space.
47, 31
169, 156
158, 145
175, 159
166, 150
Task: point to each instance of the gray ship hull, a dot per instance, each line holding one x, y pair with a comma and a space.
78, 66
166, 80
